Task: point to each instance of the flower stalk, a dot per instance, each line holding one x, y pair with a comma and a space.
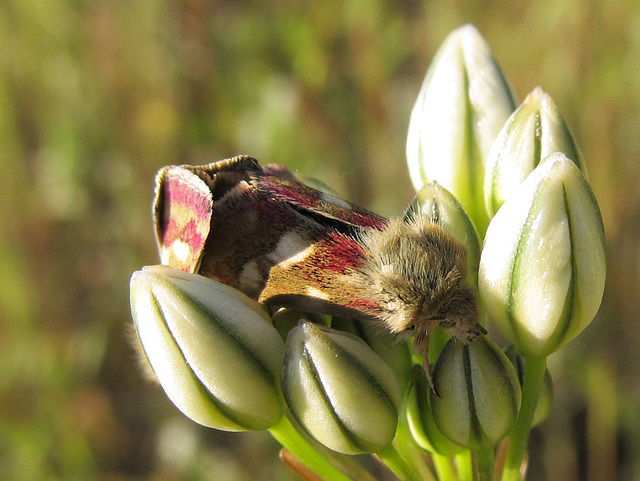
287, 435
464, 463
443, 467
409, 449
396, 463
484, 462
534, 370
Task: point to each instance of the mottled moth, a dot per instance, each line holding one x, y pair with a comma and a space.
284, 243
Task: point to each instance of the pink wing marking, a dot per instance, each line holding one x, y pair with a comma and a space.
183, 208
300, 196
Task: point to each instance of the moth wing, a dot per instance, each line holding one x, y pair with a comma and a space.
321, 279
263, 232
182, 209
183, 206
324, 207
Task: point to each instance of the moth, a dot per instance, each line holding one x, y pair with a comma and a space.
284, 243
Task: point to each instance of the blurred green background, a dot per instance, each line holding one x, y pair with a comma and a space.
95, 96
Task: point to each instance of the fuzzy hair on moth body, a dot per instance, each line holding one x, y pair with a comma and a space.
418, 272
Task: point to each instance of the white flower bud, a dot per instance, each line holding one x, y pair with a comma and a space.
534, 131
462, 105
214, 351
420, 418
339, 390
479, 393
543, 267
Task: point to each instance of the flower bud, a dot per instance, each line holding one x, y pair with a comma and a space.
213, 350
438, 205
479, 393
543, 408
462, 105
285, 318
339, 390
393, 351
420, 418
543, 266
536, 129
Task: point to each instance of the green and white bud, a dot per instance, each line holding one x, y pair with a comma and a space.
534, 131
394, 352
440, 206
214, 351
462, 105
478, 393
420, 418
543, 266
285, 318
339, 390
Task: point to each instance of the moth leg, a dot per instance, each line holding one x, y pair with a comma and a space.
421, 343
427, 371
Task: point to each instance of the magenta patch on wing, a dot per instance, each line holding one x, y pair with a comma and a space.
184, 207
188, 234
343, 253
363, 305
301, 196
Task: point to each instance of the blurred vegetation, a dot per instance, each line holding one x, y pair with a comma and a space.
96, 96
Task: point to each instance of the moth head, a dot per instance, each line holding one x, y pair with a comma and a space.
417, 273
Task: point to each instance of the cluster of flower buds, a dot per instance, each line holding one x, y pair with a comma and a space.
542, 265
535, 255
222, 362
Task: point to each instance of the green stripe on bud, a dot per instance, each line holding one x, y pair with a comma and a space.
339, 390
214, 350
543, 265
420, 418
479, 393
534, 131
462, 105
440, 206
393, 352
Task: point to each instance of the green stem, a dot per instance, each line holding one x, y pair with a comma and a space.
345, 463
484, 459
443, 467
534, 369
397, 464
291, 439
464, 463
410, 451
